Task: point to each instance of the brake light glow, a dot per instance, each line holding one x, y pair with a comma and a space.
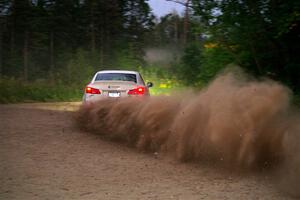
137, 91
90, 90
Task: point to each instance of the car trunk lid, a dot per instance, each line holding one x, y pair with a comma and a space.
114, 88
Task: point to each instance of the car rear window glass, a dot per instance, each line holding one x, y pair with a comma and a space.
115, 77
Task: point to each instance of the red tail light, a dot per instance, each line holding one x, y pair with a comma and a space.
137, 91
90, 90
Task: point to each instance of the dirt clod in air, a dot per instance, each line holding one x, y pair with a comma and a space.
235, 121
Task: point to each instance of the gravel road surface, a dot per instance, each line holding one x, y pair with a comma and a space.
43, 156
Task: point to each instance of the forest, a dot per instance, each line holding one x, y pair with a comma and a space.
50, 49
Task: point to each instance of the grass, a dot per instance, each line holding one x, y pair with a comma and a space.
14, 91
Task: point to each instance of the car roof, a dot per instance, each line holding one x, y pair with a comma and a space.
118, 71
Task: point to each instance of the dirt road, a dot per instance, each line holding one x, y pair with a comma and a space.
43, 156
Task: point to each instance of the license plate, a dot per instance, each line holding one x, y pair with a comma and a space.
114, 94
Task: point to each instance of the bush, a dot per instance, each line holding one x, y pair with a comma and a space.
164, 82
190, 65
213, 61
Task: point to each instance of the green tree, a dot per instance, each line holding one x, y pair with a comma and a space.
190, 68
261, 35
43, 36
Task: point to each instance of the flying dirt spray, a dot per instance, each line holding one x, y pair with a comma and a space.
235, 121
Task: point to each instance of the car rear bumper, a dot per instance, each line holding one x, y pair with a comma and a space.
96, 97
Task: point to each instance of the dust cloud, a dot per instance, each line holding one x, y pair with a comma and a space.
161, 56
236, 122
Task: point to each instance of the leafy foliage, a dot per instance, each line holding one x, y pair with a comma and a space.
214, 60
191, 64
263, 36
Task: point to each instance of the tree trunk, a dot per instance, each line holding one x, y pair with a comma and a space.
107, 44
12, 41
102, 48
186, 22
12, 38
176, 31
257, 62
12, 31
93, 31
93, 39
1, 51
25, 54
51, 54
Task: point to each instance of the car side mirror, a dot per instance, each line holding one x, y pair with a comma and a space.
149, 84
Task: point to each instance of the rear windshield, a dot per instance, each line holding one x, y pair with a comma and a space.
115, 77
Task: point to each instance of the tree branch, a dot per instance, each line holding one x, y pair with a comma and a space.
186, 4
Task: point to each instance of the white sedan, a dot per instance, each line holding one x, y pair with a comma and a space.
116, 84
